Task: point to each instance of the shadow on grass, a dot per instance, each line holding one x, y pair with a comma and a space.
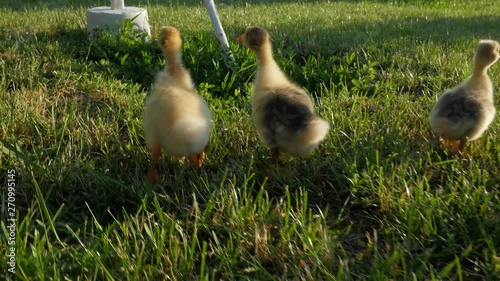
405, 34
350, 55
16, 5
61, 4
358, 55
132, 58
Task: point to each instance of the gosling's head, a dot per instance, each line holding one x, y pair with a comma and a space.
170, 39
254, 38
487, 53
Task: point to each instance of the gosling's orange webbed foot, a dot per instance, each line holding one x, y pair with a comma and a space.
461, 146
277, 170
153, 172
197, 159
455, 147
275, 155
451, 146
275, 158
182, 160
153, 175
438, 139
281, 171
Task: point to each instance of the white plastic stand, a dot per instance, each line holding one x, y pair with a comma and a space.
112, 17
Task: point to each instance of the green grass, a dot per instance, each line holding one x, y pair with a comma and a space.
379, 200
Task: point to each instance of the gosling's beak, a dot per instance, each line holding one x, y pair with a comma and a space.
240, 39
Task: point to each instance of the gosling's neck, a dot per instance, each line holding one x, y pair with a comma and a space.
269, 74
480, 70
174, 61
480, 81
264, 55
176, 70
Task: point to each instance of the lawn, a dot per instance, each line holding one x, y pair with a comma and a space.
378, 200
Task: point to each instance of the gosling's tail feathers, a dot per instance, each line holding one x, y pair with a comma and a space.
317, 130
190, 135
313, 134
305, 140
448, 129
470, 128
